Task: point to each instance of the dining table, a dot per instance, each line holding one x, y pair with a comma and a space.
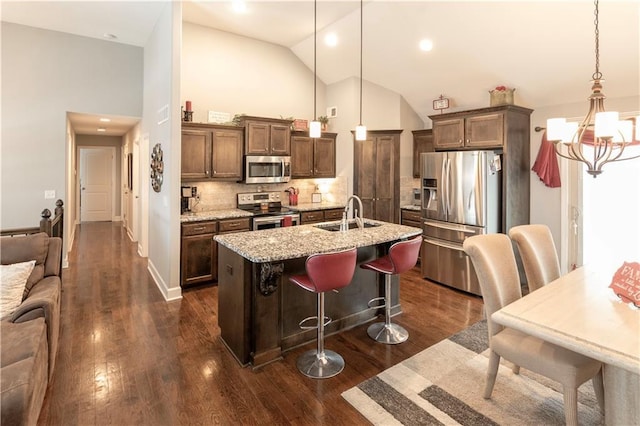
579, 312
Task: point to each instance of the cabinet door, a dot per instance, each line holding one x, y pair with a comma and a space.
384, 180
448, 134
227, 154
199, 259
422, 142
196, 154
257, 138
301, 157
324, 158
280, 139
485, 131
313, 216
365, 175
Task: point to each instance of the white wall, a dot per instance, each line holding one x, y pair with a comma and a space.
161, 70
46, 74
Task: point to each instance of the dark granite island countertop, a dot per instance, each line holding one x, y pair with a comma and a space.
259, 309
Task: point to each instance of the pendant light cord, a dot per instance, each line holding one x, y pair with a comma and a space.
315, 26
597, 75
360, 62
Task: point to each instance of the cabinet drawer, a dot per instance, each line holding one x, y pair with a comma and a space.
410, 215
314, 216
334, 214
234, 225
197, 228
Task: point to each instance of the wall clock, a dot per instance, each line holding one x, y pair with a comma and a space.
157, 168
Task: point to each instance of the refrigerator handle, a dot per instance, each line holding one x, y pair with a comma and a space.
448, 186
443, 195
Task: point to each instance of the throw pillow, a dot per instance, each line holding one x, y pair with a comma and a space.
13, 279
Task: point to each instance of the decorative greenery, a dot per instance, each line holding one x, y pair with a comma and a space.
323, 119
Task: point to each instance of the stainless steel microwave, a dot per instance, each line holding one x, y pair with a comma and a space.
267, 169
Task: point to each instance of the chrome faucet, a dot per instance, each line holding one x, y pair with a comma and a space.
358, 217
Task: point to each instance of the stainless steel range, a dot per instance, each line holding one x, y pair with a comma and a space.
268, 211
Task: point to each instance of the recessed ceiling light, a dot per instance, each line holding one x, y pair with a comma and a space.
426, 45
102, 129
331, 39
110, 36
239, 6
105, 120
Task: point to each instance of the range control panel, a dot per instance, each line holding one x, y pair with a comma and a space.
251, 198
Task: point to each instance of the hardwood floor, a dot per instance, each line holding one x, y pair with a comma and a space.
127, 357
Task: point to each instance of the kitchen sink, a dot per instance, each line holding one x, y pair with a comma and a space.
335, 226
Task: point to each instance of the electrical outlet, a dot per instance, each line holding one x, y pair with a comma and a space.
49, 194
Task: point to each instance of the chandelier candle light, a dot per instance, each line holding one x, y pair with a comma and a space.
601, 137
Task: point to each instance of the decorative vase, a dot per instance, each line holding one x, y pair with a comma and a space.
501, 97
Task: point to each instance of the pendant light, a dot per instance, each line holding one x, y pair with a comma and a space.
601, 137
314, 126
361, 130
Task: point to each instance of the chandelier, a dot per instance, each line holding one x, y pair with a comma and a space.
601, 137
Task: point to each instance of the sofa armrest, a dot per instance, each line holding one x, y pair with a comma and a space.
53, 264
43, 301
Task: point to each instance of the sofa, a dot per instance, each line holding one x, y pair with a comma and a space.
30, 327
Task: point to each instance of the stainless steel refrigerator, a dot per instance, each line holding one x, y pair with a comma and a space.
460, 198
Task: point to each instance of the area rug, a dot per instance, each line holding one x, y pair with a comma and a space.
444, 383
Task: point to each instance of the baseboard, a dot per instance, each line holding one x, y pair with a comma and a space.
168, 293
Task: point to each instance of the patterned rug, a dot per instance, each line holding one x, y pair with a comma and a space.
444, 383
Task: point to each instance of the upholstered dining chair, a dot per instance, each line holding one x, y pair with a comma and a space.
538, 254
494, 261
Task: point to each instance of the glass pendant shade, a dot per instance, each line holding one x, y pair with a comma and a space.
606, 124
361, 132
315, 129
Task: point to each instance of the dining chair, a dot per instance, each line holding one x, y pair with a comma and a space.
538, 254
495, 264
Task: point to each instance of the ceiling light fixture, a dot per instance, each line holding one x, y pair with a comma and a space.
331, 40
105, 120
361, 130
102, 129
239, 6
314, 126
426, 45
110, 36
601, 137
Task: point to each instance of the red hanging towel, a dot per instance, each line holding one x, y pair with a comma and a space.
286, 221
546, 164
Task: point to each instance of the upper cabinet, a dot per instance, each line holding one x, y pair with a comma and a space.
211, 152
313, 157
422, 142
266, 136
484, 128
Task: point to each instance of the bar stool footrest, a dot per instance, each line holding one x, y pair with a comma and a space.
320, 366
377, 300
327, 321
390, 334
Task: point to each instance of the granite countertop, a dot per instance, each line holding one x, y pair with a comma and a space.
214, 215
305, 207
411, 207
270, 245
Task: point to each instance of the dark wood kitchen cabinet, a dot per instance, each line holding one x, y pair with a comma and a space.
316, 216
211, 152
199, 253
422, 142
376, 173
313, 157
266, 136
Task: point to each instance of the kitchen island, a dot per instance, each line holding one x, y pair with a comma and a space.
259, 309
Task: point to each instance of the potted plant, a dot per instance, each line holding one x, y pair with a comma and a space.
324, 121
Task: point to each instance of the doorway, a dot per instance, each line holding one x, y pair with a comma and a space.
97, 174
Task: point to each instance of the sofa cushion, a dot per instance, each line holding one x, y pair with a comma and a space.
13, 279
22, 249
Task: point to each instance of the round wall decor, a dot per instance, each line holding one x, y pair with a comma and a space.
157, 167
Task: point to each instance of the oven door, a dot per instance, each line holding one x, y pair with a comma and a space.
271, 222
267, 169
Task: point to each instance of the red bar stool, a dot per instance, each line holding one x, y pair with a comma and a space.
325, 272
402, 256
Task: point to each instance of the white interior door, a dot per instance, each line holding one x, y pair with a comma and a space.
96, 183
135, 199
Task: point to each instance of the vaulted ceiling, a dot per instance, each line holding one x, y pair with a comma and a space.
544, 49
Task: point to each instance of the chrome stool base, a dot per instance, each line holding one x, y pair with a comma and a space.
320, 366
390, 334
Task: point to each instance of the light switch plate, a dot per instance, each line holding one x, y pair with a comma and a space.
49, 194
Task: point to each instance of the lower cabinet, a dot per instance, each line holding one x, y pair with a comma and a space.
316, 216
411, 218
199, 251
